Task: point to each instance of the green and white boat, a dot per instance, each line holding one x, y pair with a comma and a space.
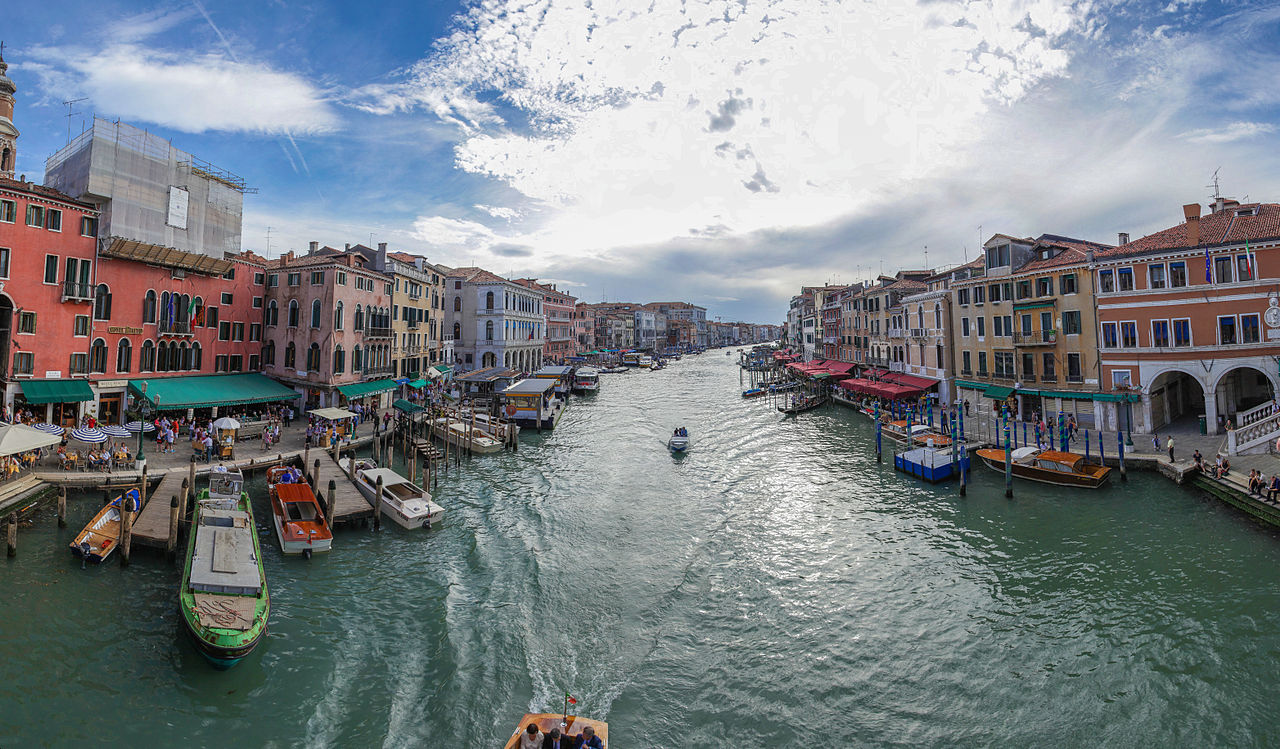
223, 599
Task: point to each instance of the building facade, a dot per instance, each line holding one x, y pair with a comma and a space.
495, 321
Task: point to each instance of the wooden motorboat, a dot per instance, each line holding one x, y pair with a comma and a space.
904, 431
461, 434
1048, 467
930, 438
299, 520
98, 539
409, 506
223, 597
569, 725
800, 403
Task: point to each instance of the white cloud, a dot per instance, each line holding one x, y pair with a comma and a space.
723, 118
453, 233
1228, 133
191, 93
510, 214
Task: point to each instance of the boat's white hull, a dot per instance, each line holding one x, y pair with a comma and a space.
298, 547
456, 435
434, 514
678, 444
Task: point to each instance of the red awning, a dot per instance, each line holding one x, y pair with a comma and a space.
898, 391
840, 368
876, 372
915, 381
858, 385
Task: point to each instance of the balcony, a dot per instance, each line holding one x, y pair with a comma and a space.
372, 332
1049, 378
966, 373
73, 291
897, 333
1077, 379
1036, 338
177, 327
919, 333
1028, 378
374, 373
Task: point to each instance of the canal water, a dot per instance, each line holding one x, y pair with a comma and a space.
775, 587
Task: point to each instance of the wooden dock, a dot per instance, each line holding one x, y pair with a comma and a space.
349, 505
152, 526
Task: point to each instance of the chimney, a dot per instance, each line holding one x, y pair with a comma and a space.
313, 247
1088, 254
288, 256
1124, 237
382, 247
348, 245
1192, 213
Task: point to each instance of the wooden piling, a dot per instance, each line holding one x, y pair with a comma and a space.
306, 457
332, 502
377, 507
411, 457
126, 529
12, 541
142, 490
182, 500
191, 479
315, 476
62, 506
172, 542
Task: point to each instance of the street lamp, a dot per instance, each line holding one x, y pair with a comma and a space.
144, 411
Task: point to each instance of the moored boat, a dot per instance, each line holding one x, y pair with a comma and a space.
754, 393
462, 435
800, 403
586, 380
1048, 466
570, 726
296, 514
223, 599
409, 506
98, 539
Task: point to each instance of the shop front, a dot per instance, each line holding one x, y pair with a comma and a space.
245, 396
56, 401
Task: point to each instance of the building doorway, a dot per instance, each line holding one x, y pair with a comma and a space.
109, 409
1175, 397
1241, 389
66, 415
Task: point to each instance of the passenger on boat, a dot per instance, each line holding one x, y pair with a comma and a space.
531, 738
587, 739
555, 741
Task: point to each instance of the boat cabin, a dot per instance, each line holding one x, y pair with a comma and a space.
531, 402
563, 377
1048, 460
480, 385
225, 484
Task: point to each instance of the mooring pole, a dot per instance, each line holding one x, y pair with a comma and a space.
1008, 460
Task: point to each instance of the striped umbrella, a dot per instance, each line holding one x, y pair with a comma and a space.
50, 428
111, 430
137, 426
92, 436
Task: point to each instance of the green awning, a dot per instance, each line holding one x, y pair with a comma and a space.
997, 392
361, 389
1033, 305
418, 384
822, 375
407, 407
443, 368
971, 385
168, 393
56, 391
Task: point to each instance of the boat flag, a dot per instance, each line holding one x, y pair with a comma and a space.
570, 699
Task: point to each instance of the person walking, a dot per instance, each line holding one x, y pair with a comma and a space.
1169, 444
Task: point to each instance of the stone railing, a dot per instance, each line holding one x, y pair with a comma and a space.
1260, 432
1259, 413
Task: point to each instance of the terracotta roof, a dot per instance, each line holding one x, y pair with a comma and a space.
1070, 256
906, 284
44, 192
473, 274
1222, 227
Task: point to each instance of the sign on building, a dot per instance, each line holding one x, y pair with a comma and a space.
178, 198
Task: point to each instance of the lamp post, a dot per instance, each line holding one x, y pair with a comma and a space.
144, 410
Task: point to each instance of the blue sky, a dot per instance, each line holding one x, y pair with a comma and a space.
720, 152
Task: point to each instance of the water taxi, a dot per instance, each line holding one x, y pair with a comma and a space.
462, 435
904, 431
296, 514
632, 359
98, 539
679, 441
586, 380
532, 403
223, 598
1048, 466
646, 362
570, 726
409, 506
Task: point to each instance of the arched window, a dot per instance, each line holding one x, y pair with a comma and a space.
920, 316
124, 355
359, 321
273, 313
195, 356
457, 332
269, 353
164, 311
183, 311
313, 358
315, 314
290, 356
488, 300
187, 361
339, 360
457, 304
102, 302
197, 317
98, 356
149, 306
293, 313
488, 330
356, 362
937, 321
162, 357
147, 361
337, 317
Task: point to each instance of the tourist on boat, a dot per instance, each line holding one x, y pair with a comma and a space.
531, 738
588, 739
555, 741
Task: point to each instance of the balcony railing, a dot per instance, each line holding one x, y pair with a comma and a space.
919, 332
1028, 378
1035, 338
1049, 378
1075, 378
80, 292
897, 333
376, 372
372, 332
177, 327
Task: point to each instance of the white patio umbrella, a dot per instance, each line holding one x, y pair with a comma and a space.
226, 422
19, 438
50, 428
92, 436
137, 426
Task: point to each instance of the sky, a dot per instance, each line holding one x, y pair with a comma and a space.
723, 153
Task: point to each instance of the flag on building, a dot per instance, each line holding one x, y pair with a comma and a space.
1208, 274
1252, 260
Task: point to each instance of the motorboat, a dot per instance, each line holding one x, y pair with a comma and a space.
223, 597
679, 441
570, 726
586, 380
297, 516
98, 539
463, 435
800, 402
754, 393
615, 369
903, 431
1048, 466
646, 362
409, 506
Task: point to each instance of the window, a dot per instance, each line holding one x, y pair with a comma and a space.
149, 307
290, 356
224, 331
211, 317
23, 362
993, 292
337, 316
236, 364
1048, 371
488, 330
98, 356
230, 275
997, 325
53, 219
147, 361
313, 358
339, 360
359, 319
255, 363
1124, 279
1029, 366
1068, 284
1160, 333
273, 313
273, 280
102, 302
1244, 269
1071, 322
1073, 368
77, 278
1182, 332
315, 314
1023, 288
269, 354
293, 313
997, 256
1155, 276
79, 364
51, 269
457, 332
257, 302
237, 331
1109, 338
963, 296
982, 327
220, 363
1227, 330
966, 357
8, 214
1120, 378
1044, 286
982, 363
979, 294
81, 326
1004, 364
964, 326
1178, 274
340, 278
295, 279
4, 262
1222, 269
255, 331
357, 360
1106, 281
1129, 334
226, 297
35, 216
317, 277
1249, 330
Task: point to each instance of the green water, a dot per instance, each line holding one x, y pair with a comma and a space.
775, 587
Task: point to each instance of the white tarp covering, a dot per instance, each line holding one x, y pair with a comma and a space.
19, 438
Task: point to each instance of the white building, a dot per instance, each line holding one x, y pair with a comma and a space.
494, 321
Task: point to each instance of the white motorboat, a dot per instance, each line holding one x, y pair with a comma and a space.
408, 505
460, 434
679, 441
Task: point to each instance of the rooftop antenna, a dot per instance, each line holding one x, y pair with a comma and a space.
68, 104
1216, 193
268, 242
926, 257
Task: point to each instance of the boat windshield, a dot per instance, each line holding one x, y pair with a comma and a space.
225, 483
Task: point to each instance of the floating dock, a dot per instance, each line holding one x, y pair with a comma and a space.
931, 464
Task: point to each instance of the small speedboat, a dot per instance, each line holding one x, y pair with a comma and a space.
297, 516
98, 539
1048, 466
754, 393
571, 727
409, 506
679, 441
